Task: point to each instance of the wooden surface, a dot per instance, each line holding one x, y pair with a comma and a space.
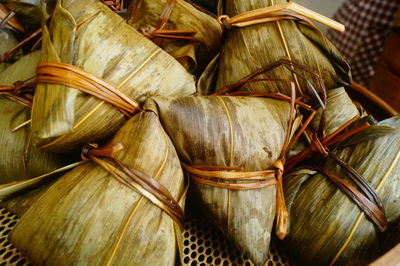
386, 80
386, 85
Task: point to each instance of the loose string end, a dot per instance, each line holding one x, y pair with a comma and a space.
282, 216
281, 225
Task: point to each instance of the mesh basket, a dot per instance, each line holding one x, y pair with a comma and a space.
203, 244
9, 255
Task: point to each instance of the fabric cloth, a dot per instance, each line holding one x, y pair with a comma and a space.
368, 23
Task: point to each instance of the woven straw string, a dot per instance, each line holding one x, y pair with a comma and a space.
75, 77
147, 186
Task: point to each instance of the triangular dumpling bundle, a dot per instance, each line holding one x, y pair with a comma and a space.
249, 48
225, 136
96, 216
326, 226
88, 46
189, 34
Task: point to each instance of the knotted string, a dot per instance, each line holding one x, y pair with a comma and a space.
75, 77
20, 92
133, 179
291, 66
114, 5
367, 199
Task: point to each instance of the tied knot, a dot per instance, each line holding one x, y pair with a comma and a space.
93, 149
224, 21
18, 86
317, 146
20, 92
148, 31
85, 153
279, 165
114, 5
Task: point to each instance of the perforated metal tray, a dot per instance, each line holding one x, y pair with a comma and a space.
203, 245
9, 255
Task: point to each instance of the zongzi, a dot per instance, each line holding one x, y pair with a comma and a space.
278, 33
327, 226
96, 214
208, 79
88, 47
189, 34
230, 147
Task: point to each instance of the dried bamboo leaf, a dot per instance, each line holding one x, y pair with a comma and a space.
250, 48
184, 16
326, 226
21, 70
98, 220
16, 188
89, 35
21, 203
377, 130
207, 82
251, 137
21, 160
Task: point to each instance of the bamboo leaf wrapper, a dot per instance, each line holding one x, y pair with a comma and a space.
98, 219
253, 47
87, 34
325, 231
